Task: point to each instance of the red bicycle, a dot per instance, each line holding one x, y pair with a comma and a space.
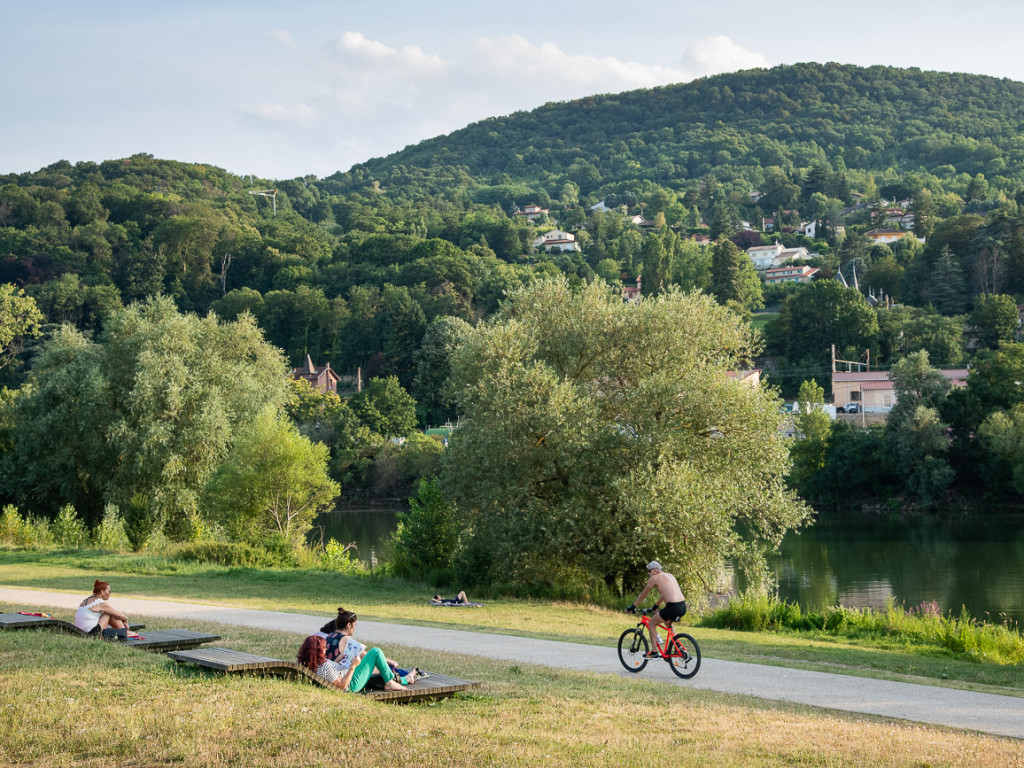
679, 649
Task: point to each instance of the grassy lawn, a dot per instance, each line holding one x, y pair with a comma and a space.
104, 704
395, 601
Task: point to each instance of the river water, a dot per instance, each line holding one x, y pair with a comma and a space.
851, 561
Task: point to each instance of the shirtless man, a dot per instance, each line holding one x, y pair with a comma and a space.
670, 593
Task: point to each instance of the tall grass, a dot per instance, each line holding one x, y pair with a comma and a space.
924, 627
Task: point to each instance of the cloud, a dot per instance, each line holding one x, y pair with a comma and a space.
718, 54
367, 97
282, 36
278, 113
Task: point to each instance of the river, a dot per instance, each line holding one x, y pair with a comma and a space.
851, 561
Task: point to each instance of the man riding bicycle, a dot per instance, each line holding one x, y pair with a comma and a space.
670, 593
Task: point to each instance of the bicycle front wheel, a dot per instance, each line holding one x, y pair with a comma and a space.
687, 662
632, 647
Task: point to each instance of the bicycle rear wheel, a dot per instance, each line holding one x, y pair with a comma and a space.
632, 647
685, 659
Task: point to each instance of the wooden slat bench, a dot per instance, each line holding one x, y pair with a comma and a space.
163, 640
21, 621
228, 660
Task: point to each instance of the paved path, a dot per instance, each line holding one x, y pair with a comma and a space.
988, 713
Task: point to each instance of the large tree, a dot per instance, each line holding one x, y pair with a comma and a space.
144, 416
826, 313
598, 435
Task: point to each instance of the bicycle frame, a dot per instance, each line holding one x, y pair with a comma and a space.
674, 647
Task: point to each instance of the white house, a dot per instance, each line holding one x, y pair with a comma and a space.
532, 212
775, 255
764, 256
790, 274
556, 240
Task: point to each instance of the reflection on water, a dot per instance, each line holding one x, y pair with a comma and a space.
855, 562
368, 528
977, 562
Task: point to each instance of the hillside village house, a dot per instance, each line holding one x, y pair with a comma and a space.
320, 377
774, 255
886, 235
631, 293
556, 240
874, 391
790, 274
532, 212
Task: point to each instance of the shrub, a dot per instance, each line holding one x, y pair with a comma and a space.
15, 531
232, 554
68, 531
338, 557
110, 533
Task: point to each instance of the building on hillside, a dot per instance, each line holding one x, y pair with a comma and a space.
532, 212
320, 377
556, 240
751, 377
790, 274
873, 390
885, 235
631, 293
774, 255
764, 256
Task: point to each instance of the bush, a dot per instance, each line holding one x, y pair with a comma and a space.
110, 533
14, 530
957, 635
68, 531
234, 554
338, 557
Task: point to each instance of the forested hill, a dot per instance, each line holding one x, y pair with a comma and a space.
874, 118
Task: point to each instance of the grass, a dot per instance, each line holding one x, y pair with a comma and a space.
390, 600
105, 704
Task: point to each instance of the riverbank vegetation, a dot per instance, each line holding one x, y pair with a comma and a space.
864, 644
106, 704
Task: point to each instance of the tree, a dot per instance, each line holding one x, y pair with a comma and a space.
19, 320
430, 385
597, 435
385, 407
145, 416
916, 435
825, 313
725, 273
813, 428
997, 378
946, 285
655, 266
995, 319
273, 481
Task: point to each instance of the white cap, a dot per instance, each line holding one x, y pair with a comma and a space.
654, 564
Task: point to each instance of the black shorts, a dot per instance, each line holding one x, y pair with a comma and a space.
673, 611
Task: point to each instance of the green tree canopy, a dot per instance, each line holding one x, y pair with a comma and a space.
598, 435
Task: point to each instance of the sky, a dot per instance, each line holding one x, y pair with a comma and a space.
286, 89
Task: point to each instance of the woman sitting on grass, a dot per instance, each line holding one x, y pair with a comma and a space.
96, 616
345, 663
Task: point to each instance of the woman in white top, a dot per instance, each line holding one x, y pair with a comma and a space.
96, 616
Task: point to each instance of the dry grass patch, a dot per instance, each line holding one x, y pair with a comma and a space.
104, 704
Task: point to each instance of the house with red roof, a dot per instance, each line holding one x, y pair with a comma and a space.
320, 377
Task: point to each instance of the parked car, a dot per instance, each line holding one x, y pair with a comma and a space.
851, 408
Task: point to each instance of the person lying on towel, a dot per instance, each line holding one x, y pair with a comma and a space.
459, 599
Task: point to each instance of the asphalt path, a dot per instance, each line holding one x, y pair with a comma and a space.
983, 712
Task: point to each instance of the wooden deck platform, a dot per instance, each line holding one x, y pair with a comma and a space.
163, 640
228, 660
20, 621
